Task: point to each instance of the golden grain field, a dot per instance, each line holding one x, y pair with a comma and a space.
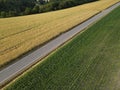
20, 34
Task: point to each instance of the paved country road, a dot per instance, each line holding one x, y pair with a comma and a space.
13, 70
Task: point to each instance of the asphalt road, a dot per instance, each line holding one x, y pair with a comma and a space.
12, 71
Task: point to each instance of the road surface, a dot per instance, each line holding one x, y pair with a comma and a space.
12, 71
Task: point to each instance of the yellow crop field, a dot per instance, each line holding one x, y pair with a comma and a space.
20, 34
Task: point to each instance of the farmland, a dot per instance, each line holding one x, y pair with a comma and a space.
90, 61
20, 34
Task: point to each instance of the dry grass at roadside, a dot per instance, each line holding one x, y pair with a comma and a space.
20, 34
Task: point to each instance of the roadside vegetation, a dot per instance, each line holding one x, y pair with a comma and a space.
90, 61
21, 34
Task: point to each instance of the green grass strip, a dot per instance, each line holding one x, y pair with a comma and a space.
91, 61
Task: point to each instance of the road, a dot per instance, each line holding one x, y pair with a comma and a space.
10, 72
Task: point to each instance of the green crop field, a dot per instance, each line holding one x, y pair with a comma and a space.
18, 35
90, 61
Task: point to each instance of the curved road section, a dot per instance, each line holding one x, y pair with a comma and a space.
9, 73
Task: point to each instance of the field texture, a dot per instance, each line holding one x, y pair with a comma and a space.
20, 34
90, 61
